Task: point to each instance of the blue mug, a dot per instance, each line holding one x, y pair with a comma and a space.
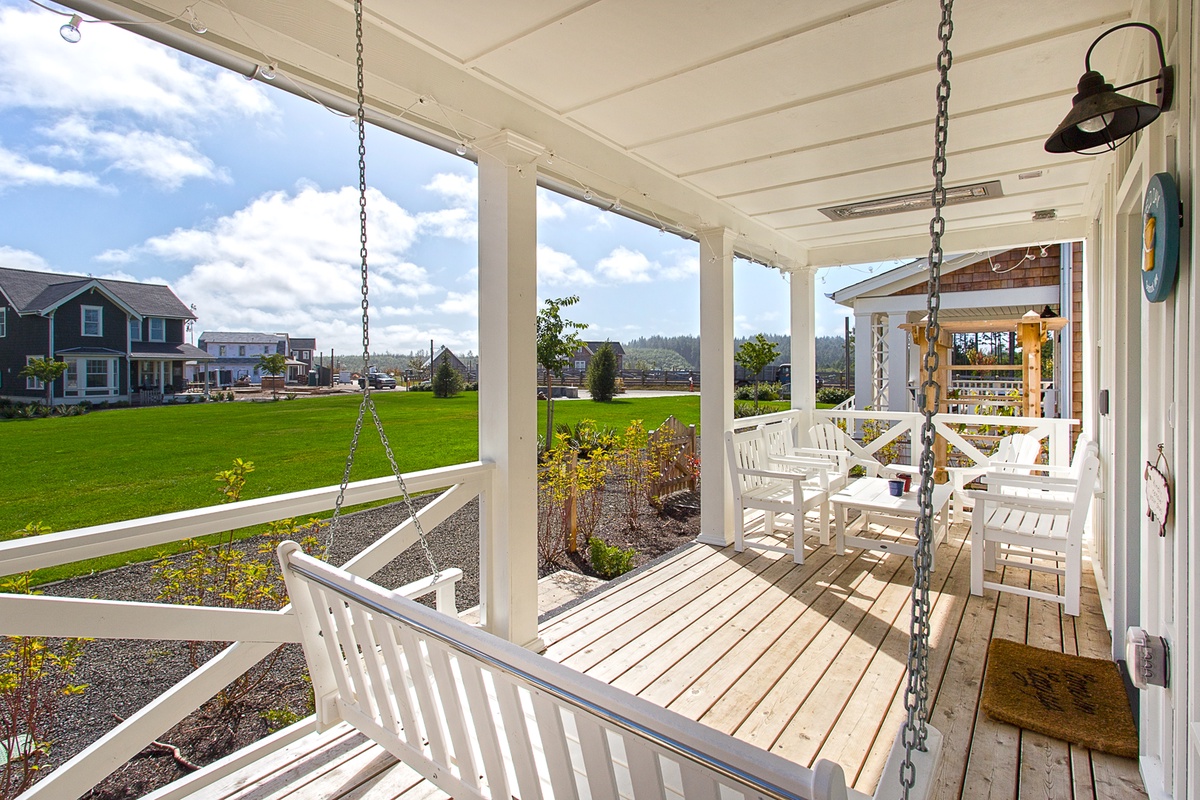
896, 487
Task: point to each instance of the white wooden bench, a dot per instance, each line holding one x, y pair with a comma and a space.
480, 717
759, 484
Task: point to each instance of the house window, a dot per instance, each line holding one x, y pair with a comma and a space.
221, 351
135, 330
93, 320
580, 365
3, 322
158, 329
241, 349
101, 376
32, 383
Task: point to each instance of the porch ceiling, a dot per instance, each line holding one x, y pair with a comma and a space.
751, 115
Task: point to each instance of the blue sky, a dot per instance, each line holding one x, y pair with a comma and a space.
122, 158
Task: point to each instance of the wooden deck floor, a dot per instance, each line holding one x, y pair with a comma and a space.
807, 661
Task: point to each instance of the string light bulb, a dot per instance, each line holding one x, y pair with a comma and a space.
587, 195
616, 204
461, 149
197, 26
268, 72
70, 32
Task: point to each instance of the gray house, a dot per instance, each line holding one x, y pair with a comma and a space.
116, 336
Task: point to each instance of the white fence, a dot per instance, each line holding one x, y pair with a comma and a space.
254, 633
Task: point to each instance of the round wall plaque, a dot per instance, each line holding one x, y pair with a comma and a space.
1160, 237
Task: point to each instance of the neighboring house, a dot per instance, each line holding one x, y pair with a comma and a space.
116, 336
584, 355
989, 286
303, 351
445, 354
234, 356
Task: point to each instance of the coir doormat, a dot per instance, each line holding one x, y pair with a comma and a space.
1080, 700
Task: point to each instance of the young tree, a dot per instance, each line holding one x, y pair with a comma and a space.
602, 374
755, 354
446, 381
274, 365
46, 370
556, 343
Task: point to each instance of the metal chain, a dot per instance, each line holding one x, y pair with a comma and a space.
368, 403
916, 692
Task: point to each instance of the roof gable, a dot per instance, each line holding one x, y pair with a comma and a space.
33, 292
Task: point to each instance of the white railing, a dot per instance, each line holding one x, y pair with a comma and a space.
255, 633
895, 426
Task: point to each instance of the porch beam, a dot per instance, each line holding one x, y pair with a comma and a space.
507, 377
716, 391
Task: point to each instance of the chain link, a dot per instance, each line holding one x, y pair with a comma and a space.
368, 402
916, 691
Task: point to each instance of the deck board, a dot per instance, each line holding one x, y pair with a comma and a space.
808, 660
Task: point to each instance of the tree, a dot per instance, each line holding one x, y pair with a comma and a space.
556, 343
602, 374
753, 356
46, 370
274, 365
446, 381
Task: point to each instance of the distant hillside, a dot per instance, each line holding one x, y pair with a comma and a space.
830, 350
655, 358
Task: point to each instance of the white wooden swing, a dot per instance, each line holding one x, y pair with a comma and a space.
480, 717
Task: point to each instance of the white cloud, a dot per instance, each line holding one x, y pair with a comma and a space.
12, 258
166, 160
113, 70
555, 268
623, 265
115, 257
290, 262
16, 170
461, 190
548, 208
460, 220
460, 303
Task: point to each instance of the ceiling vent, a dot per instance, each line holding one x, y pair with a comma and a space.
1045, 213
913, 202
1026, 176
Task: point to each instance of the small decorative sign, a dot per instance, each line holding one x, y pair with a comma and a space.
1161, 214
1158, 491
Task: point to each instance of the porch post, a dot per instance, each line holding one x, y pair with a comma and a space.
507, 402
716, 386
864, 347
804, 341
898, 372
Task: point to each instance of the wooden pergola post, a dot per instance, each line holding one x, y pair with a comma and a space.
1030, 335
942, 376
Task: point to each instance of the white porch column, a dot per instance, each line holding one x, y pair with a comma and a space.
507, 400
804, 341
898, 373
716, 386
864, 384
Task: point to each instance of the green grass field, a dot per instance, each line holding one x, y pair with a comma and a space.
127, 463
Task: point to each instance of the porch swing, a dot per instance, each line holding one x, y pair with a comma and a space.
480, 717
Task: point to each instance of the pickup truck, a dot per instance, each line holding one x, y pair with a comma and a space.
379, 380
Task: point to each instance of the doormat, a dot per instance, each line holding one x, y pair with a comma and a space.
1076, 699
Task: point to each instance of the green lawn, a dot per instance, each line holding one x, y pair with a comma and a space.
127, 463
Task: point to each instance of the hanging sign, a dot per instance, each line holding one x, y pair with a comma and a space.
1158, 491
1160, 237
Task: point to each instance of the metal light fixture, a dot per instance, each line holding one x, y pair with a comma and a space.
70, 32
1101, 119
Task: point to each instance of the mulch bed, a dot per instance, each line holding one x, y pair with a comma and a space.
124, 675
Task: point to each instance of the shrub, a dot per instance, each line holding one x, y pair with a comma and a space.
609, 561
446, 382
744, 409
833, 395
602, 374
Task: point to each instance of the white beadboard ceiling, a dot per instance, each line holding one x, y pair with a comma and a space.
751, 114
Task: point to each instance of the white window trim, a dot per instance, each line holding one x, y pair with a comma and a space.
83, 311
33, 384
132, 324
3, 322
162, 337
112, 378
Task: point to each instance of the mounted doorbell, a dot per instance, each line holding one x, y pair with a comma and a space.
1147, 657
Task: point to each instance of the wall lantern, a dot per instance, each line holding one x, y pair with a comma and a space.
1101, 118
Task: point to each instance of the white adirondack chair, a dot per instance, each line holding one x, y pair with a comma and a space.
758, 485
1015, 454
484, 719
1025, 521
784, 453
828, 440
